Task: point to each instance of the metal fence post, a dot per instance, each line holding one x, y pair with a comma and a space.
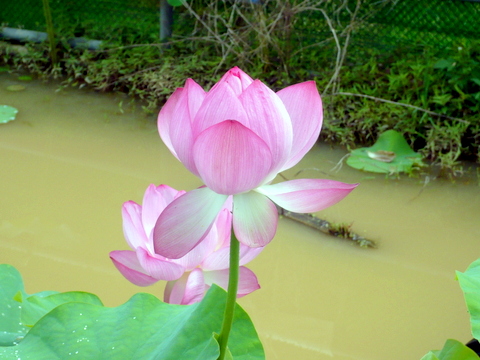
166, 20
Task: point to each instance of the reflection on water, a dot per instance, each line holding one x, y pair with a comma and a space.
72, 158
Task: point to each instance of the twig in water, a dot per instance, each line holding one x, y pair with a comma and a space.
339, 164
425, 183
337, 230
306, 169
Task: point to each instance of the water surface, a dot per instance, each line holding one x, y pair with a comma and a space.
73, 157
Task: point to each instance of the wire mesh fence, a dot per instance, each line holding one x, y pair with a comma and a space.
429, 22
436, 22
118, 20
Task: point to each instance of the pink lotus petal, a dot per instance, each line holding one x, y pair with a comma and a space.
186, 221
275, 127
223, 223
132, 225
247, 281
220, 259
180, 128
219, 105
159, 268
218, 277
255, 219
304, 106
195, 288
127, 263
248, 253
196, 256
155, 200
217, 260
165, 119
189, 289
307, 195
236, 79
231, 158
196, 96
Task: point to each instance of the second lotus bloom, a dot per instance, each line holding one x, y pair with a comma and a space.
237, 137
190, 276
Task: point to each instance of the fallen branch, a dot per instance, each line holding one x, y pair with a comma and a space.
337, 230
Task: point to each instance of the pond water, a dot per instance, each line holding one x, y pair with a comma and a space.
73, 157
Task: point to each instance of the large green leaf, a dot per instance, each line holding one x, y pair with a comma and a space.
7, 113
470, 284
36, 306
452, 350
142, 328
389, 142
11, 327
20, 311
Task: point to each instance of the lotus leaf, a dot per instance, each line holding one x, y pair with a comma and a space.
55, 326
470, 284
390, 154
7, 113
452, 350
15, 88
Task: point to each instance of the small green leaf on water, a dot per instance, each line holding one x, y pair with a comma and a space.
7, 113
25, 78
3, 69
390, 154
15, 88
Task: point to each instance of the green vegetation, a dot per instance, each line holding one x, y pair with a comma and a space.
54, 325
7, 113
430, 95
390, 154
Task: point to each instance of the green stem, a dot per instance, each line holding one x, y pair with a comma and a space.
50, 31
231, 296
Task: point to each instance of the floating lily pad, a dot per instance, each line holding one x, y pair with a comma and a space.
24, 78
7, 113
15, 88
390, 154
3, 69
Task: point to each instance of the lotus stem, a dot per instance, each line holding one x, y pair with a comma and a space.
231, 296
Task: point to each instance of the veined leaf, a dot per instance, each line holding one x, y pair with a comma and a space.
144, 328
390, 154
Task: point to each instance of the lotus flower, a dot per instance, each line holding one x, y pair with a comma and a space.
190, 276
236, 138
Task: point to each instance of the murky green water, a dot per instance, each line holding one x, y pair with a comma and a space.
72, 158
